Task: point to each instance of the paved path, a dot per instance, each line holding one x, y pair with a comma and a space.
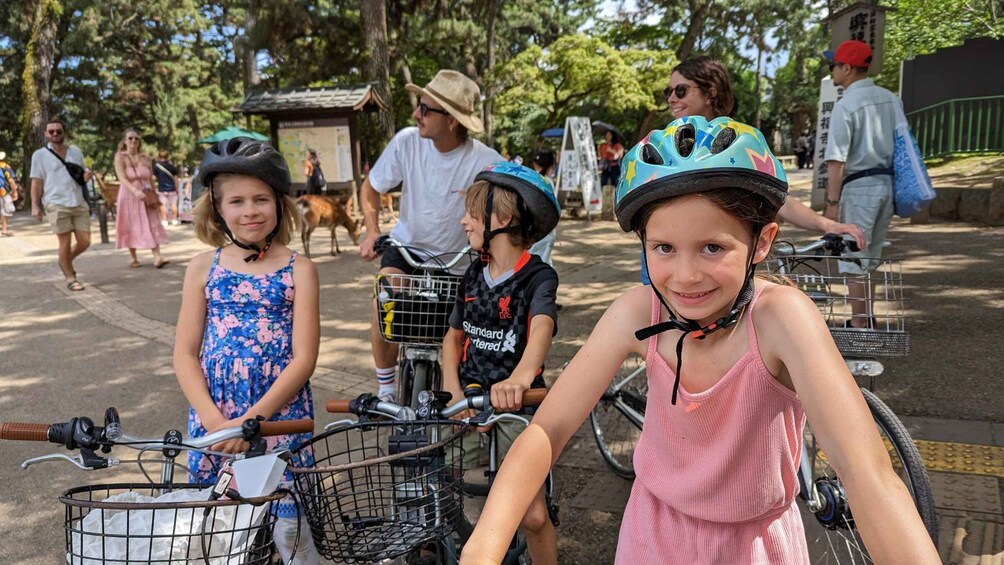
68, 353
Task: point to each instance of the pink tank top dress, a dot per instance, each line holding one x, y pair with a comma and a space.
717, 473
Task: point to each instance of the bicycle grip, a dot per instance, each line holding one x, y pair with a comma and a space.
534, 396
281, 427
340, 406
24, 431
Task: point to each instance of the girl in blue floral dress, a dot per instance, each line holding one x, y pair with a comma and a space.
248, 330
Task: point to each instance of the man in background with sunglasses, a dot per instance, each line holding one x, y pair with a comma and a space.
859, 157
433, 163
56, 194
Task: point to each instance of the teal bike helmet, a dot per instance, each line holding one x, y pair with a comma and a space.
538, 206
694, 155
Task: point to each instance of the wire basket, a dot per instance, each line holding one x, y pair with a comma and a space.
117, 524
877, 303
382, 489
415, 308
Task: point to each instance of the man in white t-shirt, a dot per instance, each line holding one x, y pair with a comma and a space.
434, 163
54, 193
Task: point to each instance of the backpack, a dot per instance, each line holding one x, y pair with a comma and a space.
912, 189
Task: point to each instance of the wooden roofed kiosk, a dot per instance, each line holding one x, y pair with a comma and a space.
323, 119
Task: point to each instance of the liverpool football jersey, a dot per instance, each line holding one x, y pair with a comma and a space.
495, 318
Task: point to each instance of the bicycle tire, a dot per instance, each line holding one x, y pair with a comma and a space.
616, 434
831, 535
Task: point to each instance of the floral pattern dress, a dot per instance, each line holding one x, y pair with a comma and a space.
246, 344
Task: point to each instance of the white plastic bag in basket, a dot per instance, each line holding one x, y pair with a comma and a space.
100, 536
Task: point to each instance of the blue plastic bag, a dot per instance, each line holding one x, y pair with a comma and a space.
912, 189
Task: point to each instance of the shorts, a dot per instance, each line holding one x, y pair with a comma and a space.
6, 206
168, 199
867, 203
507, 433
392, 258
65, 219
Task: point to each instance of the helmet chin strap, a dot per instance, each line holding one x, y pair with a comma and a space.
486, 256
258, 252
688, 326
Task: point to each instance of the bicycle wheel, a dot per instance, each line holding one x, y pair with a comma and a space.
618, 417
831, 534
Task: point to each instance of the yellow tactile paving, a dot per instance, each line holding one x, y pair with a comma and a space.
966, 458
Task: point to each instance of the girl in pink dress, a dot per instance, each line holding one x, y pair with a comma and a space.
136, 225
735, 367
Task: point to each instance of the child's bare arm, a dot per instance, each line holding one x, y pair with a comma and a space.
306, 342
507, 395
793, 331
188, 343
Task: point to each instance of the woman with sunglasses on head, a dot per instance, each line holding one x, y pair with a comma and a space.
137, 225
701, 86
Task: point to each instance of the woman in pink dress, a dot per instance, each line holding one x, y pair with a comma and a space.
136, 225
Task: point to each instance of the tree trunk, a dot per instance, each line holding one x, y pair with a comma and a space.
698, 14
249, 54
35, 80
377, 66
406, 75
759, 72
493, 9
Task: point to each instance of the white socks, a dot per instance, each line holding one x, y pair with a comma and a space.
386, 379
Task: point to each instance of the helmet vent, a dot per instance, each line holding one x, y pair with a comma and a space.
684, 140
723, 140
650, 155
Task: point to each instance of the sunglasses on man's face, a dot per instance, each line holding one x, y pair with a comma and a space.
424, 109
679, 90
55, 132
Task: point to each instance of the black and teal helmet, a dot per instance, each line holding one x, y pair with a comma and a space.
694, 155
539, 208
253, 158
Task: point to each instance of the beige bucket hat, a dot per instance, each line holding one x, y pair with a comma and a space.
456, 94
3, 155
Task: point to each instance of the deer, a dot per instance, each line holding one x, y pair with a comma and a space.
325, 211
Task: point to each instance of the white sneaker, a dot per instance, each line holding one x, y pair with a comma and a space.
388, 397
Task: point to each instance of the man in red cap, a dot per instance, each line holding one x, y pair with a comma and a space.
859, 161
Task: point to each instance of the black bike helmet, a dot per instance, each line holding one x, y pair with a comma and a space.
246, 156
539, 208
694, 155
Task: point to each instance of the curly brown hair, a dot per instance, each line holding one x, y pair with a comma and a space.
712, 78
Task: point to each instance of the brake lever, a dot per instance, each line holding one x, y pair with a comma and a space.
505, 416
77, 460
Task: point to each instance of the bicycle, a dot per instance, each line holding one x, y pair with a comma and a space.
390, 485
133, 523
619, 416
414, 312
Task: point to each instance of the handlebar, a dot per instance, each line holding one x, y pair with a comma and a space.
831, 244
81, 434
433, 263
368, 404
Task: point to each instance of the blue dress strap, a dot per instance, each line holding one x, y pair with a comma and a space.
212, 268
291, 259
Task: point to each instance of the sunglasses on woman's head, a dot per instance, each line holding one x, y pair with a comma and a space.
679, 90
424, 109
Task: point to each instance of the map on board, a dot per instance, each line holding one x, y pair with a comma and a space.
329, 137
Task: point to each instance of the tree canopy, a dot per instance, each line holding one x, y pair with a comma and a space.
174, 69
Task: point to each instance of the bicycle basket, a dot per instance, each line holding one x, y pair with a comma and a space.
878, 301
415, 308
382, 489
136, 523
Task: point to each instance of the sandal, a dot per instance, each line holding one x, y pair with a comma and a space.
161, 263
134, 264
74, 285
